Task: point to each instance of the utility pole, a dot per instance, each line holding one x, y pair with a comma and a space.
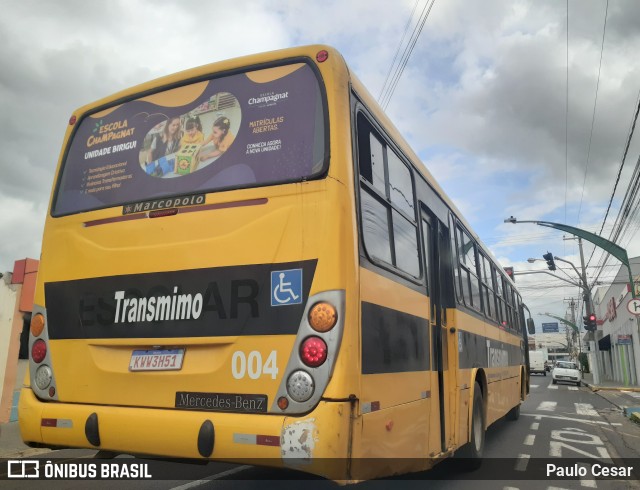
575, 334
588, 305
589, 309
572, 305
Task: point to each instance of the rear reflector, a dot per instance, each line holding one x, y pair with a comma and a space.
61, 423
259, 440
267, 440
163, 212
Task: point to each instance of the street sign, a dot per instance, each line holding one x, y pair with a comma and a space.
633, 306
552, 327
624, 340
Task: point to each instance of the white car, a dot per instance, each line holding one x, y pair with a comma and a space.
566, 371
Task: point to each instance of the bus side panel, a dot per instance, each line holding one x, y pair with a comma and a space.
397, 438
497, 353
395, 401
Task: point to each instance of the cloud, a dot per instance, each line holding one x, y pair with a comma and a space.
482, 99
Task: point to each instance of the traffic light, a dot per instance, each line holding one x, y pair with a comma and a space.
509, 271
549, 258
590, 323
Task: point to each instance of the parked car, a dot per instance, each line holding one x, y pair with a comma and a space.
566, 371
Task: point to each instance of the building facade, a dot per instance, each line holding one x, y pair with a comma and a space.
618, 334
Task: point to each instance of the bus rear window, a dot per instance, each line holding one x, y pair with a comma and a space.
250, 129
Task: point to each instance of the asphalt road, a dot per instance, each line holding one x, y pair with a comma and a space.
557, 423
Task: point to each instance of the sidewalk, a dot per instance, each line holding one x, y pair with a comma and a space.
11, 445
626, 398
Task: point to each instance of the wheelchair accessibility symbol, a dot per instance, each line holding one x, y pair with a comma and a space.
286, 287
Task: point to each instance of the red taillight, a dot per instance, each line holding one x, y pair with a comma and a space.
38, 351
322, 56
313, 351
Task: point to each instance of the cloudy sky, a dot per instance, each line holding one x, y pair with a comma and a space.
487, 100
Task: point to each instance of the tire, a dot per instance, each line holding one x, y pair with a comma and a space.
514, 413
473, 450
545, 373
554, 381
578, 384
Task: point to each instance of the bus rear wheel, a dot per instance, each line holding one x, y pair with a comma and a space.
514, 413
473, 450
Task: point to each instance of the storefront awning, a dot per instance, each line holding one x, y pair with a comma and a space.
605, 343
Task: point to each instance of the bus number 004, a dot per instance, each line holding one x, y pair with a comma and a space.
242, 365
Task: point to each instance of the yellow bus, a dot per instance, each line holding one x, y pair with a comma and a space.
247, 262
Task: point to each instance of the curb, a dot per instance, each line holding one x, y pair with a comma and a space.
611, 388
24, 453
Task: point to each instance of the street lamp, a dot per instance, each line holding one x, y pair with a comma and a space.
610, 247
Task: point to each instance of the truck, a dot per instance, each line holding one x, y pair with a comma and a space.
537, 362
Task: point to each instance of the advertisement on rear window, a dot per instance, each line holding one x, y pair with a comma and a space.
244, 130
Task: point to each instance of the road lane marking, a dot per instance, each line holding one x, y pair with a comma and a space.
547, 406
522, 462
585, 481
585, 409
535, 425
533, 386
553, 387
573, 388
217, 476
559, 417
529, 440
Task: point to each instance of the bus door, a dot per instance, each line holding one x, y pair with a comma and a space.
435, 234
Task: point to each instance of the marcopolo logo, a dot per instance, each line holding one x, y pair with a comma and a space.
170, 202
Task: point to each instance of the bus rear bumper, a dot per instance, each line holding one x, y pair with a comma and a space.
269, 440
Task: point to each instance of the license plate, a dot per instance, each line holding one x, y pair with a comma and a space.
156, 360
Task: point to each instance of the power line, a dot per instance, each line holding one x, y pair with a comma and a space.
395, 56
615, 187
595, 104
386, 97
566, 127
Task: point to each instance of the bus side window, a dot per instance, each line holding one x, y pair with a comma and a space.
469, 268
456, 260
508, 293
387, 199
489, 295
502, 318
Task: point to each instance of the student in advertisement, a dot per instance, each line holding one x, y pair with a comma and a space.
193, 132
220, 136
